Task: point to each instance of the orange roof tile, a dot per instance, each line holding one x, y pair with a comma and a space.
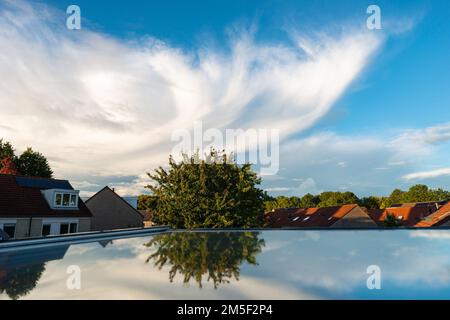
409, 216
308, 217
437, 218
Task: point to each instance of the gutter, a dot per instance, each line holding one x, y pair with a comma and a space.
79, 238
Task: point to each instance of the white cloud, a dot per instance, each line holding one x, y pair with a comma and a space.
83, 184
427, 174
307, 186
342, 164
99, 106
134, 187
277, 189
430, 234
420, 142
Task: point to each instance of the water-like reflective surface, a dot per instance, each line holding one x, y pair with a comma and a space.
237, 265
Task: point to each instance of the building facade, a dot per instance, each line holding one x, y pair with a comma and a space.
110, 211
36, 207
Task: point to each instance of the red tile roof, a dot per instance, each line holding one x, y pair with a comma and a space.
19, 201
437, 218
308, 217
410, 216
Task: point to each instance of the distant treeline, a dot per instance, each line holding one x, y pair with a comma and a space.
417, 193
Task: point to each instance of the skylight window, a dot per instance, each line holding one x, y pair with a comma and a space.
306, 219
296, 218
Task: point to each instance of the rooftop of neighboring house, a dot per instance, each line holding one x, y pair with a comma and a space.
435, 204
439, 217
129, 201
22, 196
308, 217
410, 214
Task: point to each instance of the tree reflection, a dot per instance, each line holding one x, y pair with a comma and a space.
21, 270
20, 281
217, 256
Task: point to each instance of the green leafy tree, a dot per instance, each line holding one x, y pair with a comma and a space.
214, 256
31, 163
440, 195
392, 221
147, 202
20, 281
6, 150
287, 202
309, 201
397, 196
270, 205
330, 199
371, 202
418, 193
211, 193
325, 199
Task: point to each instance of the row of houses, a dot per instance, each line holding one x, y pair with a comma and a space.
39, 207
414, 215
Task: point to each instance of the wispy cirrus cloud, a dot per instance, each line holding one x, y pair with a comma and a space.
100, 106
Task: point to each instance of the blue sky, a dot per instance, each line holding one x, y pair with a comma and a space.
362, 110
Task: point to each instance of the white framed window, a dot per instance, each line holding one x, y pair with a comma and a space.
65, 200
66, 228
55, 226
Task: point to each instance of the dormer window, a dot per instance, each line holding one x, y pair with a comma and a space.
61, 199
66, 200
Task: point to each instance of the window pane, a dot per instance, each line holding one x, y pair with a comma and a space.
73, 227
58, 199
73, 200
64, 229
66, 198
46, 230
10, 229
